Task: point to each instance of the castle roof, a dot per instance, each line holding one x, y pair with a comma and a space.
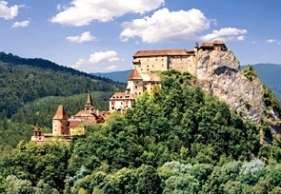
171, 52
207, 44
211, 44
60, 114
218, 42
85, 113
122, 95
135, 75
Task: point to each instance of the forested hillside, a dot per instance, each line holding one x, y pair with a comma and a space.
31, 90
24, 80
175, 140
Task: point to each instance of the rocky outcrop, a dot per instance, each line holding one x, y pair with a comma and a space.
218, 72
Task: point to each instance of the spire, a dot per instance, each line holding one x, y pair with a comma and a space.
89, 102
60, 114
135, 75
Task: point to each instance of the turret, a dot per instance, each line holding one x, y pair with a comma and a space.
60, 122
37, 135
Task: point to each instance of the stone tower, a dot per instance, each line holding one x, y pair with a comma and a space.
135, 83
60, 122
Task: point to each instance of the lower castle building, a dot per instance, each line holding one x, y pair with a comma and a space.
65, 128
138, 83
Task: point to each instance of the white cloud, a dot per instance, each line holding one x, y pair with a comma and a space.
225, 34
83, 12
271, 40
97, 58
110, 68
7, 12
107, 56
79, 63
21, 24
84, 37
165, 25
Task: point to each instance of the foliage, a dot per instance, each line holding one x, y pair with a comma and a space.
177, 140
249, 72
270, 99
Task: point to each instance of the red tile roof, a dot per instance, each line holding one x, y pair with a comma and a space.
135, 75
148, 53
60, 114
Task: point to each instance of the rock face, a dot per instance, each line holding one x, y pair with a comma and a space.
218, 72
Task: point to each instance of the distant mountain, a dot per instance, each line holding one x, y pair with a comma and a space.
269, 74
118, 76
25, 80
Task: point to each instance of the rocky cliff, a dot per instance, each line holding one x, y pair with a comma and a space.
218, 72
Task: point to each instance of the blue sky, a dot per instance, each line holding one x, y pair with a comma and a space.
102, 35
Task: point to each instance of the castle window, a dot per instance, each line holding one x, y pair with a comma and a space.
139, 93
136, 87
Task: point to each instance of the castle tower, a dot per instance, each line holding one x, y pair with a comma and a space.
60, 122
219, 45
196, 48
89, 103
37, 135
135, 83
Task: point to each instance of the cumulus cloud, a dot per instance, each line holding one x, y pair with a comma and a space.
107, 56
225, 34
165, 25
98, 57
7, 12
110, 68
271, 40
83, 37
83, 12
21, 24
79, 63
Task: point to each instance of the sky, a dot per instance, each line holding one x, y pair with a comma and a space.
103, 35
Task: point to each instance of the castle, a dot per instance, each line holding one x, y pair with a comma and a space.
147, 61
65, 128
141, 79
